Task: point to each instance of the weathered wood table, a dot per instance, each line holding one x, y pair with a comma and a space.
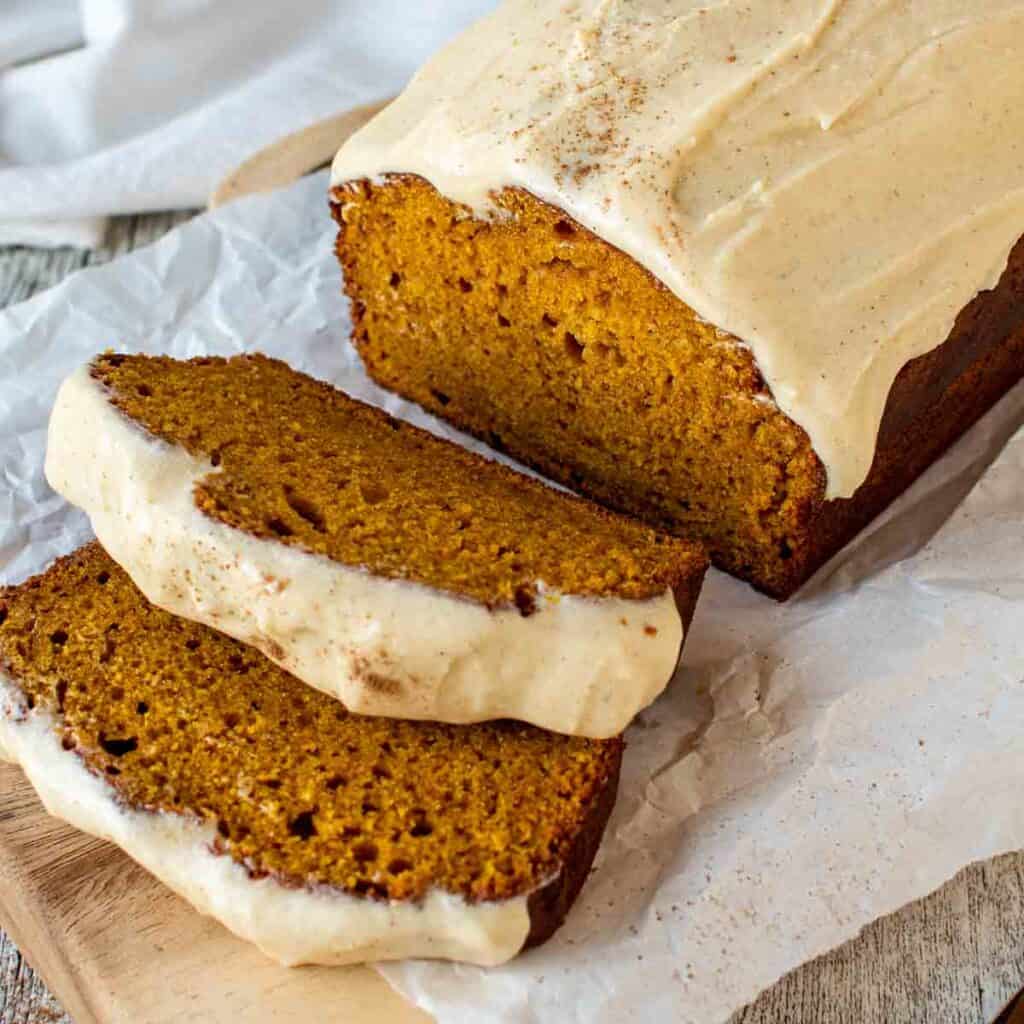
955, 958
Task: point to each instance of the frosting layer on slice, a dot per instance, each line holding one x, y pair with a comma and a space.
577, 664
830, 181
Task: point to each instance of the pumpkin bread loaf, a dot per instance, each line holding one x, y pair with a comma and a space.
320, 835
390, 568
536, 336
740, 270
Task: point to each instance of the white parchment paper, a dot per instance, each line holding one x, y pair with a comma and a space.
813, 766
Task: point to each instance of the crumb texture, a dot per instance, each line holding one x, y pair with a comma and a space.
534, 334
299, 462
181, 719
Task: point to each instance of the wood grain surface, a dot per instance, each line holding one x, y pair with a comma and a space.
118, 948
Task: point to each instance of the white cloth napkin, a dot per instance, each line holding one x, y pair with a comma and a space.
122, 106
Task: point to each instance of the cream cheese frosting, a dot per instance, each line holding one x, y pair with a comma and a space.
830, 181
291, 925
578, 665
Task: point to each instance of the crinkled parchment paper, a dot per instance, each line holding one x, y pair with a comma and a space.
813, 766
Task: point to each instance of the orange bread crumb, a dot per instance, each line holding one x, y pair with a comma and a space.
298, 461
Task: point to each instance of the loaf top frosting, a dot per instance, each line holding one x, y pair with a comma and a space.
830, 181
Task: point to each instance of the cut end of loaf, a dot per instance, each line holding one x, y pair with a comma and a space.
536, 336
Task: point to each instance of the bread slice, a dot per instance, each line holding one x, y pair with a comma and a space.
323, 837
396, 571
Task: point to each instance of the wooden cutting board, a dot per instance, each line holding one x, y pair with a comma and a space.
116, 947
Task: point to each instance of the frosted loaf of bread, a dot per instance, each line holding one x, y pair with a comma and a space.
759, 214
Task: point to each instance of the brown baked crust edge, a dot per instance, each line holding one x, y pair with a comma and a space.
549, 906
935, 399
686, 602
